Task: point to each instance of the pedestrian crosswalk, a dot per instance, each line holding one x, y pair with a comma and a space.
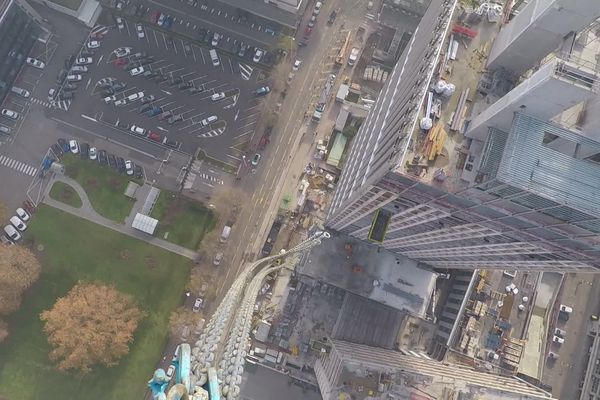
17, 165
212, 133
246, 71
60, 104
212, 179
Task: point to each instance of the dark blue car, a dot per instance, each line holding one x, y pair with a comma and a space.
168, 22
154, 111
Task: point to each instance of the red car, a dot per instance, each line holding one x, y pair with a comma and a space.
154, 136
119, 62
155, 16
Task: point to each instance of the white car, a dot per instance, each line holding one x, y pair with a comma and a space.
93, 153
121, 102
170, 372
84, 61
217, 96
120, 23
215, 40
20, 91
197, 304
558, 340
51, 94
209, 120
297, 65
10, 113
122, 52
135, 96
17, 223
258, 55
138, 129
22, 214
12, 233
218, 258
110, 99
74, 146
35, 63
136, 71
140, 31
94, 44
129, 167
565, 309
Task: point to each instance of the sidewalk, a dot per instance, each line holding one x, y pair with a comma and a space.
86, 211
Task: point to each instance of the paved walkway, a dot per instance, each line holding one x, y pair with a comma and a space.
86, 211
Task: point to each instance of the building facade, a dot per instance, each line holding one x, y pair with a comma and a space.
20, 27
365, 372
532, 203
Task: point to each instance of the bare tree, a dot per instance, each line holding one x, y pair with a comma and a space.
92, 325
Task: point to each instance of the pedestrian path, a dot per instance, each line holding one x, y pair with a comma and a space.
211, 178
17, 165
41, 102
246, 71
61, 104
212, 133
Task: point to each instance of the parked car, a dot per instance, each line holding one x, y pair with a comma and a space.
22, 214
312, 21
112, 161
139, 173
84, 150
137, 71
256, 159
560, 332
74, 146
119, 87
218, 258
262, 91
74, 78
129, 167
121, 164
155, 16
140, 31
110, 99
35, 63
174, 119
64, 145
565, 309
70, 87
558, 340
84, 61
258, 55
4, 130
102, 157
121, 102
161, 19
170, 372
209, 120
79, 68
122, 52
296, 65
165, 115
217, 96
51, 94
12, 233
17, 223
148, 99
10, 113
135, 96
93, 44
138, 130
20, 91
171, 143
93, 153
197, 304
154, 136
242, 50
215, 40
120, 23
154, 111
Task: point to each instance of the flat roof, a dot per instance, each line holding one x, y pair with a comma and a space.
144, 223
370, 271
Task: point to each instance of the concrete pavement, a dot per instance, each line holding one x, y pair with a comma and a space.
86, 211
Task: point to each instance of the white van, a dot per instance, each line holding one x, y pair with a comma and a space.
74, 78
225, 234
20, 91
214, 57
209, 120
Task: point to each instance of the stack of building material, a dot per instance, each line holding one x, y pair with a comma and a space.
461, 108
434, 143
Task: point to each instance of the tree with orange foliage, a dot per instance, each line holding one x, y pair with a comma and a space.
92, 325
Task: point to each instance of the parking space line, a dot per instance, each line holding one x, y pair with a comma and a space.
165, 40
200, 77
202, 54
189, 73
193, 53
244, 134
230, 66
155, 38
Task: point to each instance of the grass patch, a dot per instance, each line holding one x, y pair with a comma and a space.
225, 167
65, 194
72, 4
104, 186
185, 220
154, 277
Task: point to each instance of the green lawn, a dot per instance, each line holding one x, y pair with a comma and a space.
104, 186
75, 249
66, 194
184, 220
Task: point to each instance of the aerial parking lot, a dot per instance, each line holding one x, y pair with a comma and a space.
142, 82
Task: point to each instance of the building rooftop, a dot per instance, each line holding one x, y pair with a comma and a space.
372, 272
369, 372
546, 159
263, 9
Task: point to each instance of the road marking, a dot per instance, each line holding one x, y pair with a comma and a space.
235, 117
167, 92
